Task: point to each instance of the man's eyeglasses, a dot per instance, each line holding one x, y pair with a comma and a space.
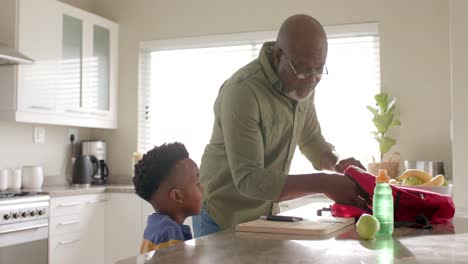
303, 76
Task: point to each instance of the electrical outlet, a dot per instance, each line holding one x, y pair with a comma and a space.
39, 135
74, 132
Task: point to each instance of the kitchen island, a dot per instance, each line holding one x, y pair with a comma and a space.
444, 243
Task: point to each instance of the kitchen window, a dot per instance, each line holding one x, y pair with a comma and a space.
180, 79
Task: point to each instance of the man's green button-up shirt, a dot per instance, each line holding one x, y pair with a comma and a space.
255, 133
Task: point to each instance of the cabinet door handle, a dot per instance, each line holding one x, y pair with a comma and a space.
69, 222
97, 201
38, 107
23, 228
61, 243
69, 204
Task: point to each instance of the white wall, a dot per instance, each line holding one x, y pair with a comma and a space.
18, 149
414, 56
459, 59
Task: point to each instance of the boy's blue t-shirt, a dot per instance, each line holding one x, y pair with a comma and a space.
161, 231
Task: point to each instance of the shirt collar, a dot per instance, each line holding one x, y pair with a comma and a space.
266, 60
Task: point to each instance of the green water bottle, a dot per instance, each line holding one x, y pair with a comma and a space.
382, 204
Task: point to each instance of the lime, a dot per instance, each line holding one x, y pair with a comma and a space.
367, 226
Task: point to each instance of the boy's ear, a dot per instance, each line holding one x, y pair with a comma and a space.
176, 195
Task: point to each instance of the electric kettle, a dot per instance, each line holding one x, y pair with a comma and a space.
84, 168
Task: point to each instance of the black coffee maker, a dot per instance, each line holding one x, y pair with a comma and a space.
97, 148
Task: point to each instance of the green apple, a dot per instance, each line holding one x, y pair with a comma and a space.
412, 181
367, 226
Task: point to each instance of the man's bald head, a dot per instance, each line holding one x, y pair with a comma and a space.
301, 48
300, 33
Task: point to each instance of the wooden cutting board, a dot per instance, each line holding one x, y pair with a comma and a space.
316, 226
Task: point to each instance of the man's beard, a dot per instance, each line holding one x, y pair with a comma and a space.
293, 95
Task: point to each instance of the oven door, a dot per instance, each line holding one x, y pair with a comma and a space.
25, 242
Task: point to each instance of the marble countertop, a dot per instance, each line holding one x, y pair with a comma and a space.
445, 243
66, 190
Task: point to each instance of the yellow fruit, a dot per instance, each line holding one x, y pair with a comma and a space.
436, 181
422, 175
410, 181
394, 182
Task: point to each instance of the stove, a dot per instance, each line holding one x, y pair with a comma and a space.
19, 194
24, 217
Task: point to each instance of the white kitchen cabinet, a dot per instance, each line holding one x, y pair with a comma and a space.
33, 27
123, 231
76, 230
87, 85
73, 79
146, 210
39, 28
97, 228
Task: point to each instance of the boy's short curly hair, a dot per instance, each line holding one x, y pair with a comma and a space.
155, 167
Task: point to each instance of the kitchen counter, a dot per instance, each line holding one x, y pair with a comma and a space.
66, 190
445, 243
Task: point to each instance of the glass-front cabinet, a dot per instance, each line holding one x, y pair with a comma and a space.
71, 65
96, 92
89, 48
73, 78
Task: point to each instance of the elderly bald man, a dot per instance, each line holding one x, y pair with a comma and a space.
262, 113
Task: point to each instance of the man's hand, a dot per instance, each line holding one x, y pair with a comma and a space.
343, 190
344, 164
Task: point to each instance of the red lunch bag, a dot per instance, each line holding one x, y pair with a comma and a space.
412, 207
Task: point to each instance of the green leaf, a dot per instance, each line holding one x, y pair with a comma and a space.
382, 122
382, 101
395, 122
385, 144
373, 110
391, 105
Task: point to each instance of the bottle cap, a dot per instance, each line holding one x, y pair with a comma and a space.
382, 177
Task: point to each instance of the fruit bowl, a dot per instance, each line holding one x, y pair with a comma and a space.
447, 190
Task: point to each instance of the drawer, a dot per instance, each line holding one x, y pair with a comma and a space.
66, 205
66, 248
65, 224
73, 204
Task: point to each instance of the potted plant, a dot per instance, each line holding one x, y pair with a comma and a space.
384, 119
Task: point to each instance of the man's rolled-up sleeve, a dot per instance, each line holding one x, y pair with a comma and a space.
240, 122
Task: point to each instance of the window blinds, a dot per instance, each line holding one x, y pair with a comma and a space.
178, 87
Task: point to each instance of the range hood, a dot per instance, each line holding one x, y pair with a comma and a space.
11, 56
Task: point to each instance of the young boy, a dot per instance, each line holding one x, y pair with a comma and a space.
168, 179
